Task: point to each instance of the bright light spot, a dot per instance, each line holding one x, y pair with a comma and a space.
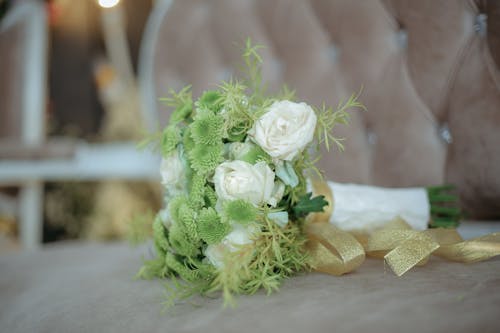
108, 3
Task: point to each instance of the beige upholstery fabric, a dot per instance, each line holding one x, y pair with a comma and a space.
422, 65
89, 288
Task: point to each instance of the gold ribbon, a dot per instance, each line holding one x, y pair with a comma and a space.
337, 252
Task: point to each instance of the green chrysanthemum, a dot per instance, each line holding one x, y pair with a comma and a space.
175, 204
206, 158
181, 112
240, 211
169, 140
187, 218
187, 140
210, 100
210, 227
197, 190
207, 128
181, 242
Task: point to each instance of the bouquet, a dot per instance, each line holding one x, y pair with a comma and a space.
241, 212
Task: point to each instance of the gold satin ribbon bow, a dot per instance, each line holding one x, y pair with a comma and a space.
337, 252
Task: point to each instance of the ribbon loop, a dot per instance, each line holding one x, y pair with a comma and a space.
333, 251
337, 252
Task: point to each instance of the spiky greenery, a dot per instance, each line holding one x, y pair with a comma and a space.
328, 118
202, 131
276, 254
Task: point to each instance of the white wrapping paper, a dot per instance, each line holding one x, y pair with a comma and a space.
362, 207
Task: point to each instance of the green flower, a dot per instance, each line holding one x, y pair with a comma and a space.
240, 211
187, 140
207, 128
181, 112
210, 227
204, 158
181, 243
210, 100
169, 140
160, 236
197, 192
175, 204
188, 222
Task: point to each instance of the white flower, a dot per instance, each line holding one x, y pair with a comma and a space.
285, 130
277, 194
242, 180
235, 240
172, 173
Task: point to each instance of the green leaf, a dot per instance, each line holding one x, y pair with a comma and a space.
307, 204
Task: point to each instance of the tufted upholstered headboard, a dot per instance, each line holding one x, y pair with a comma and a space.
429, 72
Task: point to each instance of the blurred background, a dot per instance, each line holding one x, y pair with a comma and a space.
80, 82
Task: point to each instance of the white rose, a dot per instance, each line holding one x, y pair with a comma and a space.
235, 240
172, 173
242, 180
285, 130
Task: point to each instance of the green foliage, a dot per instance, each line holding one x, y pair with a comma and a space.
210, 197
207, 128
252, 69
281, 254
256, 154
169, 140
178, 264
308, 205
204, 158
329, 118
181, 102
151, 141
445, 209
240, 211
210, 227
155, 268
238, 116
